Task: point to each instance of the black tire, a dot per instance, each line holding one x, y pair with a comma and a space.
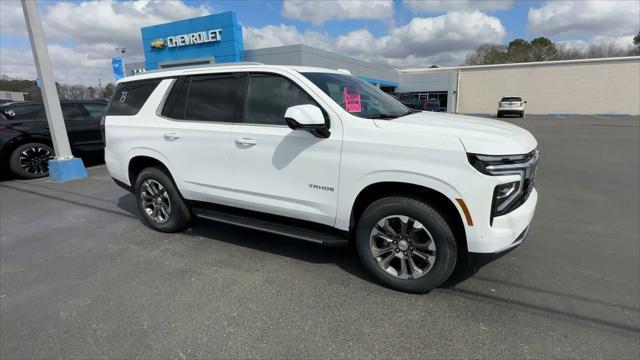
31, 160
445, 244
179, 215
522, 114
499, 115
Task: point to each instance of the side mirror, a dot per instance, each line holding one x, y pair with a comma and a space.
525, 101
308, 118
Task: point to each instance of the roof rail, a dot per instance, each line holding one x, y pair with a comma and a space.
199, 66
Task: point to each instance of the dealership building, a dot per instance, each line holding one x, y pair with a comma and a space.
590, 86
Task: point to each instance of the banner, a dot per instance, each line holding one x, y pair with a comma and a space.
118, 68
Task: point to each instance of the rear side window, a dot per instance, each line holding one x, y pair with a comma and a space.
25, 112
129, 97
72, 112
269, 96
95, 110
203, 98
177, 100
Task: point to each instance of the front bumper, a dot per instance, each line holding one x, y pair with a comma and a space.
477, 260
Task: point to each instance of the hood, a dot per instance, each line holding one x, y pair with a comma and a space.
478, 135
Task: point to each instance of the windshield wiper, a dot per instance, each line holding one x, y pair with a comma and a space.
381, 116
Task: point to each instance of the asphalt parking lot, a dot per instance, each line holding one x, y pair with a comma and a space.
81, 277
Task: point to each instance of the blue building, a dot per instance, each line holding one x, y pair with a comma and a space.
203, 40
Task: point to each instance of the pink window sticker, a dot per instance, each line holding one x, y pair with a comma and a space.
352, 100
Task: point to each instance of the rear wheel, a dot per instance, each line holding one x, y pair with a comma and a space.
499, 114
406, 244
31, 160
159, 201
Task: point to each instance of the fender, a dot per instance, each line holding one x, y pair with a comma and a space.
350, 193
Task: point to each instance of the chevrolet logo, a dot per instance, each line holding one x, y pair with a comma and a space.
158, 44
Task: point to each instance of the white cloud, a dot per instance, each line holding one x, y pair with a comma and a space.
585, 18
95, 28
452, 32
279, 35
615, 42
11, 18
437, 6
317, 12
445, 39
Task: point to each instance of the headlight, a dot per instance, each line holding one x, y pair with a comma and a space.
508, 196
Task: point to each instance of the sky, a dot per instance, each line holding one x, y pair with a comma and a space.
82, 34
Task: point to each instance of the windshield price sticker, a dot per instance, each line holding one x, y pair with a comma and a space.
352, 100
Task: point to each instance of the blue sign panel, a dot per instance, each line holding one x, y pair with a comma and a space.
118, 70
215, 37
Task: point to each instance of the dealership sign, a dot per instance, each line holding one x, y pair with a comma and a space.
195, 38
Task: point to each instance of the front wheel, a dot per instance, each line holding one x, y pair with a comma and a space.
31, 160
406, 244
159, 201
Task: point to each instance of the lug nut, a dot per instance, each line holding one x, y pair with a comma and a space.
405, 253
397, 250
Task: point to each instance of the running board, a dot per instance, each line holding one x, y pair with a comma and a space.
321, 237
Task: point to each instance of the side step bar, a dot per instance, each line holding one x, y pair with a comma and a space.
273, 226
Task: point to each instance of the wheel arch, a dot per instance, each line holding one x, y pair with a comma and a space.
140, 162
439, 201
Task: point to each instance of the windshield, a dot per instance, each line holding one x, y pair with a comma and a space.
358, 97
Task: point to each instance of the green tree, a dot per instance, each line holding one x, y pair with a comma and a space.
543, 49
107, 91
487, 54
636, 40
518, 51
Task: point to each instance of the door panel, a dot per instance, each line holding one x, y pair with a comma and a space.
278, 170
84, 132
287, 172
195, 135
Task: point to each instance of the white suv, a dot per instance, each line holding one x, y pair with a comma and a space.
322, 156
511, 105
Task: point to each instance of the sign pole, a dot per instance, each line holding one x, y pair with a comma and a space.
64, 166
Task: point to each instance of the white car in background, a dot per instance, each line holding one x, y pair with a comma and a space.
511, 105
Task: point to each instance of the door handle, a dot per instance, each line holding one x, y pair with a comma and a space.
171, 136
246, 141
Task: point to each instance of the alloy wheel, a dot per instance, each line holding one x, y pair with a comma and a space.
155, 201
402, 247
35, 160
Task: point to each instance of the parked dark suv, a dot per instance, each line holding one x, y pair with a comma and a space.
25, 141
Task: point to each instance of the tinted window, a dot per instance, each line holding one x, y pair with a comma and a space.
129, 97
269, 96
72, 112
175, 104
211, 98
25, 112
95, 110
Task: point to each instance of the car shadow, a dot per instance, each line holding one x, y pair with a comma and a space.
345, 258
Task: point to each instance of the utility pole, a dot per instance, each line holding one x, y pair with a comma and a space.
64, 166
100, 87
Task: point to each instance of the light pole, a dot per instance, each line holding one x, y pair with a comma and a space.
64, 166
122, 51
